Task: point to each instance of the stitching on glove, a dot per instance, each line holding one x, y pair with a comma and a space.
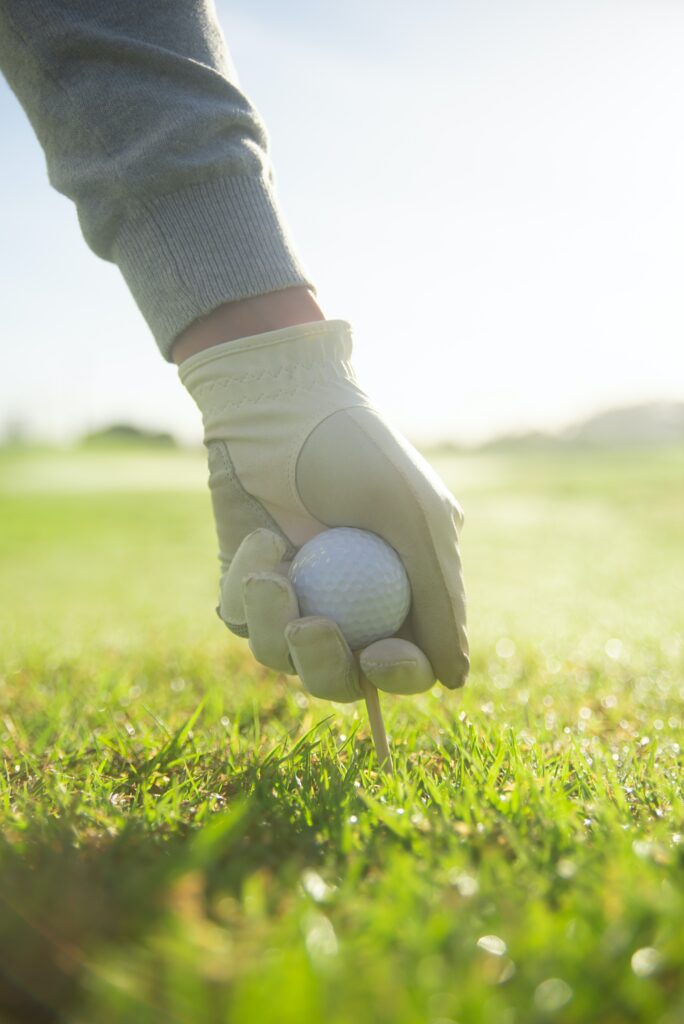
233, 403
297, 387
321, 372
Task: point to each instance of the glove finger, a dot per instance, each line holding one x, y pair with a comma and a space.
397, 666
323, 659
260, 551
270, 604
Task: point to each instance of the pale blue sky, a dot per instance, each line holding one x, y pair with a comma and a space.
489, 191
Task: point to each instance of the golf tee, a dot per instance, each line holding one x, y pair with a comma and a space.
377, 725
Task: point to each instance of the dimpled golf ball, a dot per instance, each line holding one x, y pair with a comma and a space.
355, 578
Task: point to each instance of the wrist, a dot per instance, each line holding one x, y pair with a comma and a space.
246, 317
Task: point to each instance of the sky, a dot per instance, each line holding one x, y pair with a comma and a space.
489, 192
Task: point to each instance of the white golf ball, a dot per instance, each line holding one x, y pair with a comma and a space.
355, 578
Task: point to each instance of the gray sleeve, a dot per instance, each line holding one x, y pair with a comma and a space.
144, 127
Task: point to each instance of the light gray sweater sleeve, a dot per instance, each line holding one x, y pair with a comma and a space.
144, 127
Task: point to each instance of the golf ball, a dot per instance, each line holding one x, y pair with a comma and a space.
355, 578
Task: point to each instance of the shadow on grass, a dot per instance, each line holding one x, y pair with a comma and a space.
59, 899
67, 890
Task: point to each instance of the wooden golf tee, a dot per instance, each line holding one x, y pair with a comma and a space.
377, 725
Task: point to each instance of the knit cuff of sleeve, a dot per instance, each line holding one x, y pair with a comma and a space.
187, 252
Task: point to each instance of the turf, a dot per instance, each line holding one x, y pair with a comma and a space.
189, 838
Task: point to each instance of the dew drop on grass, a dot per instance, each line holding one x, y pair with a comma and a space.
320, 940
552, 994
492, 944
315, 886
467, 885
646, 961
566, 868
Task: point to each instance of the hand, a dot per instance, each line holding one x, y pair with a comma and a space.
295, 447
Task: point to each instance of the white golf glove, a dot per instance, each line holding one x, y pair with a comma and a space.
295, 447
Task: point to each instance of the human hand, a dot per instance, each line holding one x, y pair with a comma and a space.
295, 447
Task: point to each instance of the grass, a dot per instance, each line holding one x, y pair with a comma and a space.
189, 838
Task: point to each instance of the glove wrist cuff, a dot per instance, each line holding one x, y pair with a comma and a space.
305, 358
252, 349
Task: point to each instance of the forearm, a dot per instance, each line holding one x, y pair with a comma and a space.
138, 110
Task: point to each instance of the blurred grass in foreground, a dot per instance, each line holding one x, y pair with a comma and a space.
187, 837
